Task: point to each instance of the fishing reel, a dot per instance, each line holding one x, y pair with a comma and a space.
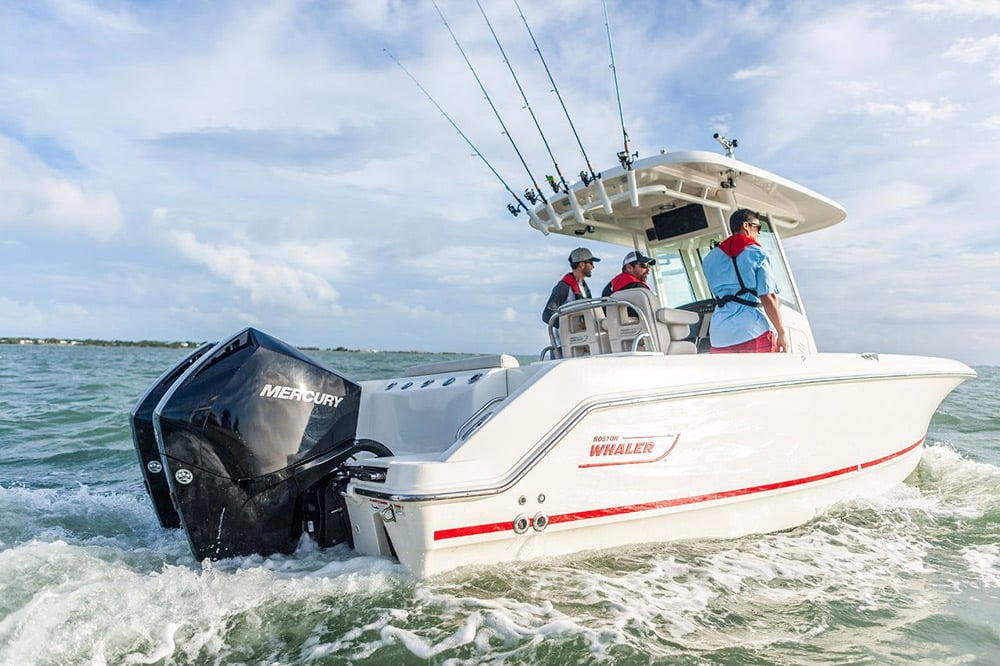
531, 196
626, 159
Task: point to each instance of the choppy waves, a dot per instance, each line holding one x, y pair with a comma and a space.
914, 576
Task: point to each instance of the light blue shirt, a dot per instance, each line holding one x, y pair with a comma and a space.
735, 323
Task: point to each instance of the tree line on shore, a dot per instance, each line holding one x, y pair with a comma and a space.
173, 344
92, 342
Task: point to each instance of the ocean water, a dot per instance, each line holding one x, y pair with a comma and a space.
87, 576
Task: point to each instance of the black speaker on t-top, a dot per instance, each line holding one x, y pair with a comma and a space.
677, 222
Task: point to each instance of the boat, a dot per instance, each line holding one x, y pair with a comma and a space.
624, 432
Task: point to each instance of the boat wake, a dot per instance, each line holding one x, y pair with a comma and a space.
88, 576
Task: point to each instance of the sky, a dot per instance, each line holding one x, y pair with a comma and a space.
181, 170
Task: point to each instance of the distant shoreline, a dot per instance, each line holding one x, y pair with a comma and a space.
91, 342
179, 344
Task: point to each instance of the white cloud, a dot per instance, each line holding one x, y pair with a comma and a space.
82, 14
34, 194
918, 112
974, 49
952, 9
289, 275
760, 71
21, 318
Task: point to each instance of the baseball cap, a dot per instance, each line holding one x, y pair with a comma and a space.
581, 254
639, 258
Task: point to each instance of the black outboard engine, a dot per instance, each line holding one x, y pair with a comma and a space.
144, 438
252, 439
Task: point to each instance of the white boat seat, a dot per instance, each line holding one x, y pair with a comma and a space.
582, 334
678, 324
623, 327
670, 326
462, 364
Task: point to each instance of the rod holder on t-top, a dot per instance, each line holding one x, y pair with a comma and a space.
727, 144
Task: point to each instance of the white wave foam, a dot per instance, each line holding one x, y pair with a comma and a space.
984, 562
74, 604
82, 516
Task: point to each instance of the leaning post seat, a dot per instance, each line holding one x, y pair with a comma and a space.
624, 327
581, 332
678, 324
669, 326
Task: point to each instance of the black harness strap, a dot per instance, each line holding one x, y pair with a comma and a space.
736, 298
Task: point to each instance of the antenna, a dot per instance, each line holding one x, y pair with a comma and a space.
727, 144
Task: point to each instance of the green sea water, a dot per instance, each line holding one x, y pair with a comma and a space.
87, 576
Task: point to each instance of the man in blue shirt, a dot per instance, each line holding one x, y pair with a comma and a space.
740, 276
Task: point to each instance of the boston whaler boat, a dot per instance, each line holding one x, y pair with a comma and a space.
622, 434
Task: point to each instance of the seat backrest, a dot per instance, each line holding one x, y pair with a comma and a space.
677, 324
668, 325
581, 333
624, 324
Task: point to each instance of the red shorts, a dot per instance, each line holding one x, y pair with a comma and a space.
763, 343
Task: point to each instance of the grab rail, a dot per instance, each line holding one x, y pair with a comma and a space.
585, 304
460, 435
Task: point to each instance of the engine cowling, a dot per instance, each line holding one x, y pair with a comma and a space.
252, 437
144, 438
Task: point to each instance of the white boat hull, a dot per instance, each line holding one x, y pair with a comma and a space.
638, 448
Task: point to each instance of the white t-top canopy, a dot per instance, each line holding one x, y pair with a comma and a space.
624, 203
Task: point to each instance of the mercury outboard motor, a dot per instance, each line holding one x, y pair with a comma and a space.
252, 438
144, 438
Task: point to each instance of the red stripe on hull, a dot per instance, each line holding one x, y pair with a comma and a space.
472, 530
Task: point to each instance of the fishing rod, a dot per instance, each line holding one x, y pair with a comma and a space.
514, 210
577, 211
529, 195
594, 177
626, 156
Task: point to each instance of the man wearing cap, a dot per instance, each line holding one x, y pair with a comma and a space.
635, 272
573, 285
740, 276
